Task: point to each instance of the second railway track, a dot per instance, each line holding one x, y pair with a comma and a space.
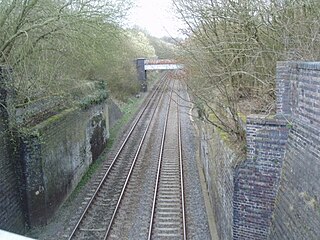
168, 219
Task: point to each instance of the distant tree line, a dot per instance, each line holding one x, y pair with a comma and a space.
231, 51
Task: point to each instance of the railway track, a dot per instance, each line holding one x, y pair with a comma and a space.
96, 219
165, 202
168, 220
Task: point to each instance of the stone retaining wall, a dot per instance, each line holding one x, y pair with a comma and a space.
56, 153
43, 160
218, 163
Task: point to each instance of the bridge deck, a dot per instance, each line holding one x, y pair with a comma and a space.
163, 66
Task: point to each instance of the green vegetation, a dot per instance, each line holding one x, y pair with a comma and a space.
56, 117
58, 48
99, 95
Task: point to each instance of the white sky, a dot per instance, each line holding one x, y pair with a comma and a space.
156, 16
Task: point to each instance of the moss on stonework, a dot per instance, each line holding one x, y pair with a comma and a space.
50, 120
56, 117
242, 116
38, 130
29, 132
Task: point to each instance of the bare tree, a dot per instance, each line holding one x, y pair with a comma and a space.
232, 49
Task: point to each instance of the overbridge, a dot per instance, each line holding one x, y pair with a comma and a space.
161, 64
144, 65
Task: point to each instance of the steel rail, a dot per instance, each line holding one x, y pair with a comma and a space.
159, 167
138, 118
131, 169
184, 226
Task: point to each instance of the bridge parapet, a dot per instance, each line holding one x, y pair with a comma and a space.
144, 65
159, 61
162, 64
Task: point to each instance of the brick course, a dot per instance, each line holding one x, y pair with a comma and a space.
257, 178
297, 212
11, 209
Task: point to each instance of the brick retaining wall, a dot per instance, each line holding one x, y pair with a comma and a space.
11, 209
297, 212
257, 178
275, 192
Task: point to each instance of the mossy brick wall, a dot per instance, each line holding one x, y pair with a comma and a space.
56, 153
297, 212
11, 210
25, 113
218, 162
257, 179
